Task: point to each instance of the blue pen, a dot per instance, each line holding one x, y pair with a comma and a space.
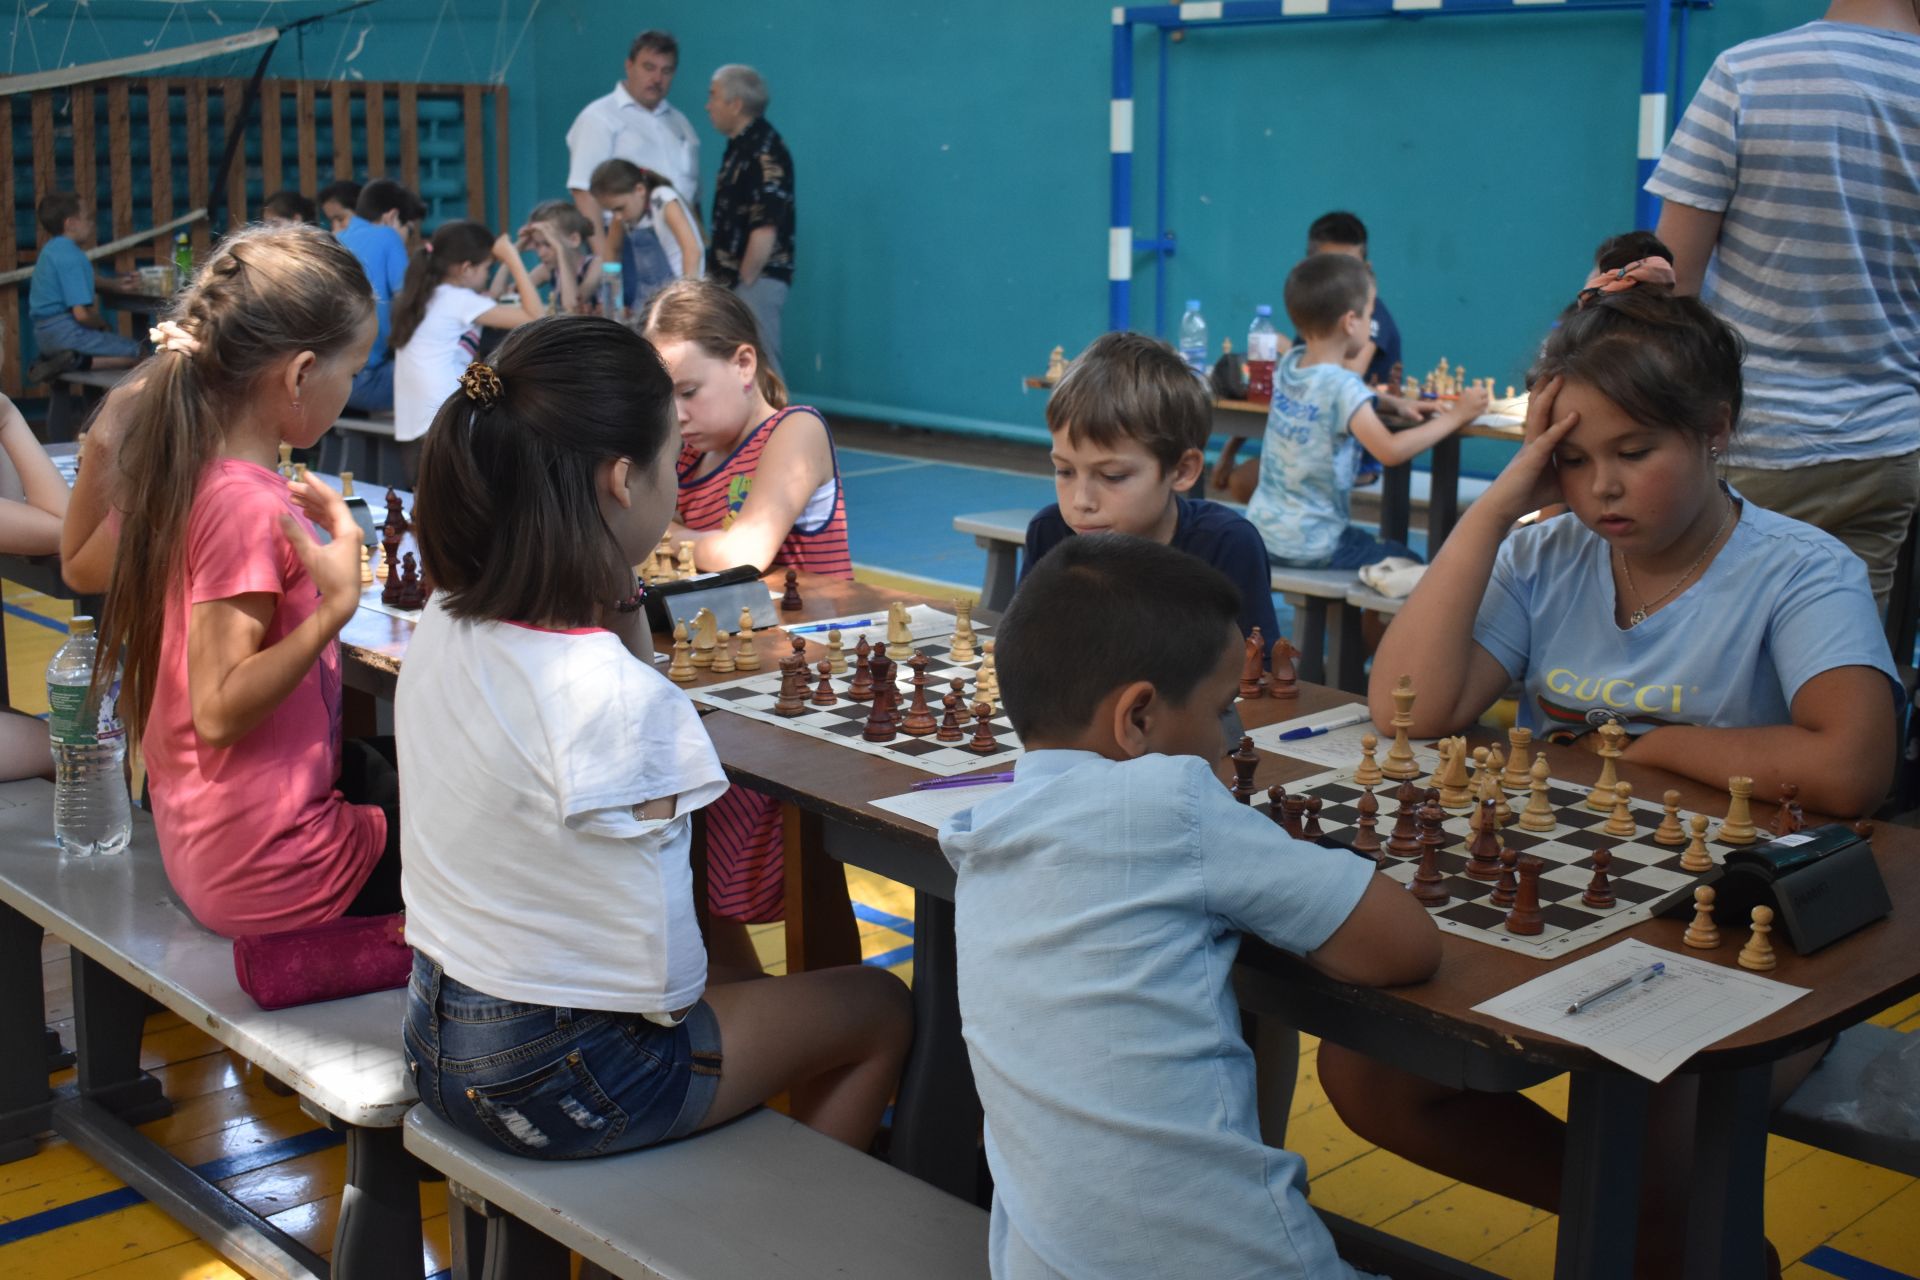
1647, 974
853, 624
1356, 716
972, 780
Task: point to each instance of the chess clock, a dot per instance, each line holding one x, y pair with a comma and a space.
1821, 883
726, 592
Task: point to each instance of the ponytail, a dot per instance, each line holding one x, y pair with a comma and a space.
453, 244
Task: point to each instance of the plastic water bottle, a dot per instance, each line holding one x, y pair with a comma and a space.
1263, 348
613, 297
182, 261
1193, 338
91, 811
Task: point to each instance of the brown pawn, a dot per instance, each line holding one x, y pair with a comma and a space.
920, 721
1599, 892
1296, 823
793, 684
396, 517
1245, 761
824, 696
1311, 830
390, 544
1503, 889
1789, 819
982, 743
1525, 918
1277, 805
1405, 840
1429, 886
790, 598
1406, 795
411, 597
951, 729
862, 688
1253, 673
1285, 680
880, 725
1365, 838
1483, 855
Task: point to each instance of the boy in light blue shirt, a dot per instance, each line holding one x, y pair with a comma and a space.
1099, 904
60, 298
1322, 416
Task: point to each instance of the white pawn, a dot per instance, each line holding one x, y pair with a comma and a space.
1696, 858
1620, 824
1367, 773
836, 654
986, 685
1758, 953
1702, 934
723, 662
366, 566
745, 655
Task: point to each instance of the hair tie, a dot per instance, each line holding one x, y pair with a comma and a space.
1645, 271
426, 246
169, 335
482, 384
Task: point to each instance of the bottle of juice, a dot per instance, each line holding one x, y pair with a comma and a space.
1263, 348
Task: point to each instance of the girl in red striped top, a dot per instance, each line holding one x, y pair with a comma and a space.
759, 485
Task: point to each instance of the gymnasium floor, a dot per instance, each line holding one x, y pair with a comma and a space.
62, 1216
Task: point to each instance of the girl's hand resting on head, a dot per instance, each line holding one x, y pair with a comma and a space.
505, 250
1531, 481
335, 567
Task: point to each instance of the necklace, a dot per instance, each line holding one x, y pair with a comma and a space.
1639, 615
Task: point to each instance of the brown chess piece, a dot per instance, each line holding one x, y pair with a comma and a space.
1285, 680
1429, 886
920, 721
1277, 805
390, 544
1366, 838
1599, 892
790, 598
983, 743
1253, 683
1311, 829
1503, 889
1789, 819
411, 597
1483, 854
1525, 918
396, 516
1296, 823
862, 688
1405, 840
951, 727
880, 723
793, 682
1245, 761
823, 696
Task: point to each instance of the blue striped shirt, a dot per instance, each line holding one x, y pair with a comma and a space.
1809, 143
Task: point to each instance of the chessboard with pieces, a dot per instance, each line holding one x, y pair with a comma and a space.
391, 580
838, 707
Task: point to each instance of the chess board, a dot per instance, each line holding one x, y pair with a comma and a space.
845, 721
1645, 876
370, 599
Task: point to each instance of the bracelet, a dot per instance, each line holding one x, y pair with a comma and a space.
633, 602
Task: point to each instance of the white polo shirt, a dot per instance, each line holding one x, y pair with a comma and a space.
660, 139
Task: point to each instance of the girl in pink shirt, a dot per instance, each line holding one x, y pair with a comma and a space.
229, 610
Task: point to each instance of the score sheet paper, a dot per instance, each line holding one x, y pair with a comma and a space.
935, 805
1652, 1028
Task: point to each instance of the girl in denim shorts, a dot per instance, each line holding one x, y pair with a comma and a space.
561, 1002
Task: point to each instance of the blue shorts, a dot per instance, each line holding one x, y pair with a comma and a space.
1356, 549
373, 388
64, 333
551, 1083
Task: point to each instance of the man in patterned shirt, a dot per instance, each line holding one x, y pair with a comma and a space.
1790, 208
751, 248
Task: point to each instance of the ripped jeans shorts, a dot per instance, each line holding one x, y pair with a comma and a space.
556, 1084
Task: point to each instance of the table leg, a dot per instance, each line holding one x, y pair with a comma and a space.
1443, 494
1310, 632
109, 1017
467, 1233
1726, 1230
379, 1230
1600, 1178
1003, 574
1396, 502
25, 1100
1346, 643
821, 930
936, 1122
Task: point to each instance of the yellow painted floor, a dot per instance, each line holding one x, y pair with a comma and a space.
224, 1112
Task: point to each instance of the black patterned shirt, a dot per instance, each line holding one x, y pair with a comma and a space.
754, 189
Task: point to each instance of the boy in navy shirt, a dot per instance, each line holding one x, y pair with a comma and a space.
1130, 424
60, 300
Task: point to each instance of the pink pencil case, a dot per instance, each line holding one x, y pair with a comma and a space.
350, 956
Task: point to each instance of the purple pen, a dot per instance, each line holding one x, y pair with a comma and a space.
973, 780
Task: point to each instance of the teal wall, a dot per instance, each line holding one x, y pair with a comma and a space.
952, 171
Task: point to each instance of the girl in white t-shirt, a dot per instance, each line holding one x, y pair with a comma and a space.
561, 1002
661, 241
437, 318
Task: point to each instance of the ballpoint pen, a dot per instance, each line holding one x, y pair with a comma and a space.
1647, 974
1356, 716
973, 780
849, 624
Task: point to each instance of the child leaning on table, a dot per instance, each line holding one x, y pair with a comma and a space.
1129, 423
1099, 905
1321, 419
561, 1003
228, 609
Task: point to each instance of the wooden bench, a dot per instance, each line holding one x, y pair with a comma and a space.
130, 941
764, 1196
1835, 1107
1318, 596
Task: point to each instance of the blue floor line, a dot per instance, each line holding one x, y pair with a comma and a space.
888, 959
874, 915
126, 1197
1848, 1267
52, 624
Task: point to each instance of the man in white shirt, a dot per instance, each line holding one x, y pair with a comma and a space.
636, 123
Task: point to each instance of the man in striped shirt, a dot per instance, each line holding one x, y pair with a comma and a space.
1792, 191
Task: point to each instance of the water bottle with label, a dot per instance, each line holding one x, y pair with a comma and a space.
613, 298
1193, 338
91, 810
182, 261
1263, 348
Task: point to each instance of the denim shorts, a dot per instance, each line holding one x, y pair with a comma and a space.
551, 1083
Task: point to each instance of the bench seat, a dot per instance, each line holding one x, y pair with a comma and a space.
1834, 1107
764, 1196
130, 941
